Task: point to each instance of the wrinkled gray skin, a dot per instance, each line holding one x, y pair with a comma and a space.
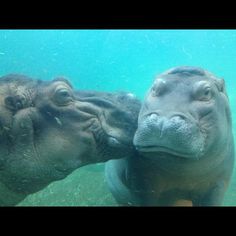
47, 130
185, 144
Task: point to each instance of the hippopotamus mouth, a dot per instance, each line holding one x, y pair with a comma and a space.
176, 136
106, 128
101, 135
162, 150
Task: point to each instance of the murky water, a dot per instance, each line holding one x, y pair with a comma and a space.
113, 60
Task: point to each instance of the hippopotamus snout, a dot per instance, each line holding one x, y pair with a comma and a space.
175, 133
161, 124
158, 117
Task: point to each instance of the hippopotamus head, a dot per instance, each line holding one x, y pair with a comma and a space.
185, 114
50, 129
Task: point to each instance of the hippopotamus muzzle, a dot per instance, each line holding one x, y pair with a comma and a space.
175, 134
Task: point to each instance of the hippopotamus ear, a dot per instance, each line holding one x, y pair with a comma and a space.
220, 84
63, 79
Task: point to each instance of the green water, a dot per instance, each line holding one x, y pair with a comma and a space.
112, 60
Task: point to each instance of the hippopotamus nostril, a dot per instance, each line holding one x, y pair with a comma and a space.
178, 117
152, 119
171, 117
153, 116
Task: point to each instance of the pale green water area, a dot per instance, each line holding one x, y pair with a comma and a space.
113, 60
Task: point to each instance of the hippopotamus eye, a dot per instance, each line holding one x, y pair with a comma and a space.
203, 91
63, 93
206, 94
63, 96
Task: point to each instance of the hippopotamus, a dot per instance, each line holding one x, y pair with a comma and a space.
48, 129
184, 143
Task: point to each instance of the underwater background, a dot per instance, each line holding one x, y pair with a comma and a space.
113, 60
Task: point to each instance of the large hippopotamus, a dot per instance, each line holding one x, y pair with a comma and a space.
184, 142
48, 129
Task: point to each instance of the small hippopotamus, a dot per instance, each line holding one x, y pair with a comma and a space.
184, 142
48, 129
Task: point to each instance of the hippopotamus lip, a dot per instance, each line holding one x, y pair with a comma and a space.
163, 149
97, 127
117, 143
100, 134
